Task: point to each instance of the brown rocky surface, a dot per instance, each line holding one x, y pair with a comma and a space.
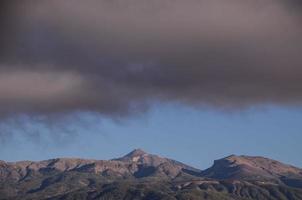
140, 175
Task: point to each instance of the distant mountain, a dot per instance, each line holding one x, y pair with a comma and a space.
248, 167
140, 175
153, 165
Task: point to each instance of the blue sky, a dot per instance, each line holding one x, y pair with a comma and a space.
192, 135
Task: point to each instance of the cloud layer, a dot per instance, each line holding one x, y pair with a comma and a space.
114, 57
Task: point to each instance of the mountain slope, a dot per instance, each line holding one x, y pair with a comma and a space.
149, 164
252, 168
136, 164
139, 175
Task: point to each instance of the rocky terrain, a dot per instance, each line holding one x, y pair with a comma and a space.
139, 175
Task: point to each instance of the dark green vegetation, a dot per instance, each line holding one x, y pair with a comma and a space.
139, 175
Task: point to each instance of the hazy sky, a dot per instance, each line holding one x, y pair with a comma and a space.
196, 137
179, 78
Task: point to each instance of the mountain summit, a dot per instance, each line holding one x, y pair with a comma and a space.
140, 175
250, 167
136, 152
150, 164
134, 155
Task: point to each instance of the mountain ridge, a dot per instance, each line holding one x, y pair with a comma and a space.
134, 156
140, 157
256, 164
232, 177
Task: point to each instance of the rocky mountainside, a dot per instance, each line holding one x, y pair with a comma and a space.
250, 168
139, 175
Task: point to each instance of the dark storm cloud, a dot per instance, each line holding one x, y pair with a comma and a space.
117, 56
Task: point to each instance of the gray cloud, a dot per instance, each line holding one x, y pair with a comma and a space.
114, 57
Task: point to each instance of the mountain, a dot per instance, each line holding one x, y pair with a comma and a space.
140, 175
136, 164
149, 164
254, 168
248, 167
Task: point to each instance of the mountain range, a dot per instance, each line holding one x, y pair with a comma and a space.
140, 175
